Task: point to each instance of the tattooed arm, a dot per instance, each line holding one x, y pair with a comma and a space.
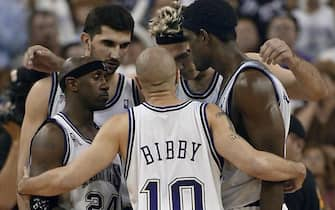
256, 163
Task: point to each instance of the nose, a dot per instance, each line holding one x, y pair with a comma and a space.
104, 84
115, 52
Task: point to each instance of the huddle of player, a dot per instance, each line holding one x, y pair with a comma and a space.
178, 150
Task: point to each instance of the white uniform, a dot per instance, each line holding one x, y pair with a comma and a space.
102, 190
239, 189
210, 95
171, 161
126, 95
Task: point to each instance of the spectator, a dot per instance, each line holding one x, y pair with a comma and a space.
13, 37
62, 12
247, 35
317, 24
306, 198
11, 116
319, 117
285, 27
319, 163
261, 11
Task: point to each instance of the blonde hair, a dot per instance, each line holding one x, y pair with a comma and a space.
167, 21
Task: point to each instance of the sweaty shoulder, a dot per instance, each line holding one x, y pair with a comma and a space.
253, 83
49, 131
48, 148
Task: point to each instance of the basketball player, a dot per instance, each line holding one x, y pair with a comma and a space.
172, 161
303, 83
251, 96
107, 34
63, 137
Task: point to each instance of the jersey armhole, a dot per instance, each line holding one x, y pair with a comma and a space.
131, 134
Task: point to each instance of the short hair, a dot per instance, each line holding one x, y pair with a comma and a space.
113, 16
288, 16
215, 16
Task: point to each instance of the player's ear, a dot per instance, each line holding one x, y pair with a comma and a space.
71, 84
138, 83
87, 43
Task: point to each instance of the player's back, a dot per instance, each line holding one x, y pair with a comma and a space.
171, 162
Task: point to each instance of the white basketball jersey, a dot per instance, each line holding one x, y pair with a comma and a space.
102, 190
126, 95
171, 162
210, 95
239, 189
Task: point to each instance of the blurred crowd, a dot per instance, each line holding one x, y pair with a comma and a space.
307, 26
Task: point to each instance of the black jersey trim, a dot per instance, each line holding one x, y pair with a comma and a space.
167, 108
74, 128
131, 134
218, 159
118, 93
66, 140
204, 94
135, 92
256, 67
53, 91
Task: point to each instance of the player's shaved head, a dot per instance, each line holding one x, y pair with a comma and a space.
73, 64
156, 69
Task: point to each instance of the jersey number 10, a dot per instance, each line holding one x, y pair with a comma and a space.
152, 190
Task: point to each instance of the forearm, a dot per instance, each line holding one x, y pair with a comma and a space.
8, 179
274, 168
58, 64
272, 196
50, 183
308, 78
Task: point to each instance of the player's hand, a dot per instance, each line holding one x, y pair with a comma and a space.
41, 59
295, 184
276, 51
22, 182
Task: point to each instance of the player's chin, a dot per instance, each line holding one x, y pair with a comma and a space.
101, 101
189, 75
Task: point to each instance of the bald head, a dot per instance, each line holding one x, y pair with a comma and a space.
156, 68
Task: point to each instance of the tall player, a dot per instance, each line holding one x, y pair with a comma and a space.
251, 96
107, 35
63, 137
302, 82
172, 161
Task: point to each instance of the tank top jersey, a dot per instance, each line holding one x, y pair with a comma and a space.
171, 160
101, 191
126, 95
210, 95
239, 189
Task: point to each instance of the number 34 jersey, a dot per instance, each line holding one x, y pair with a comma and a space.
102, 190
171, 161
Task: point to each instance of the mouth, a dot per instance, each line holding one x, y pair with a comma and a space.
104, 96
112, 65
